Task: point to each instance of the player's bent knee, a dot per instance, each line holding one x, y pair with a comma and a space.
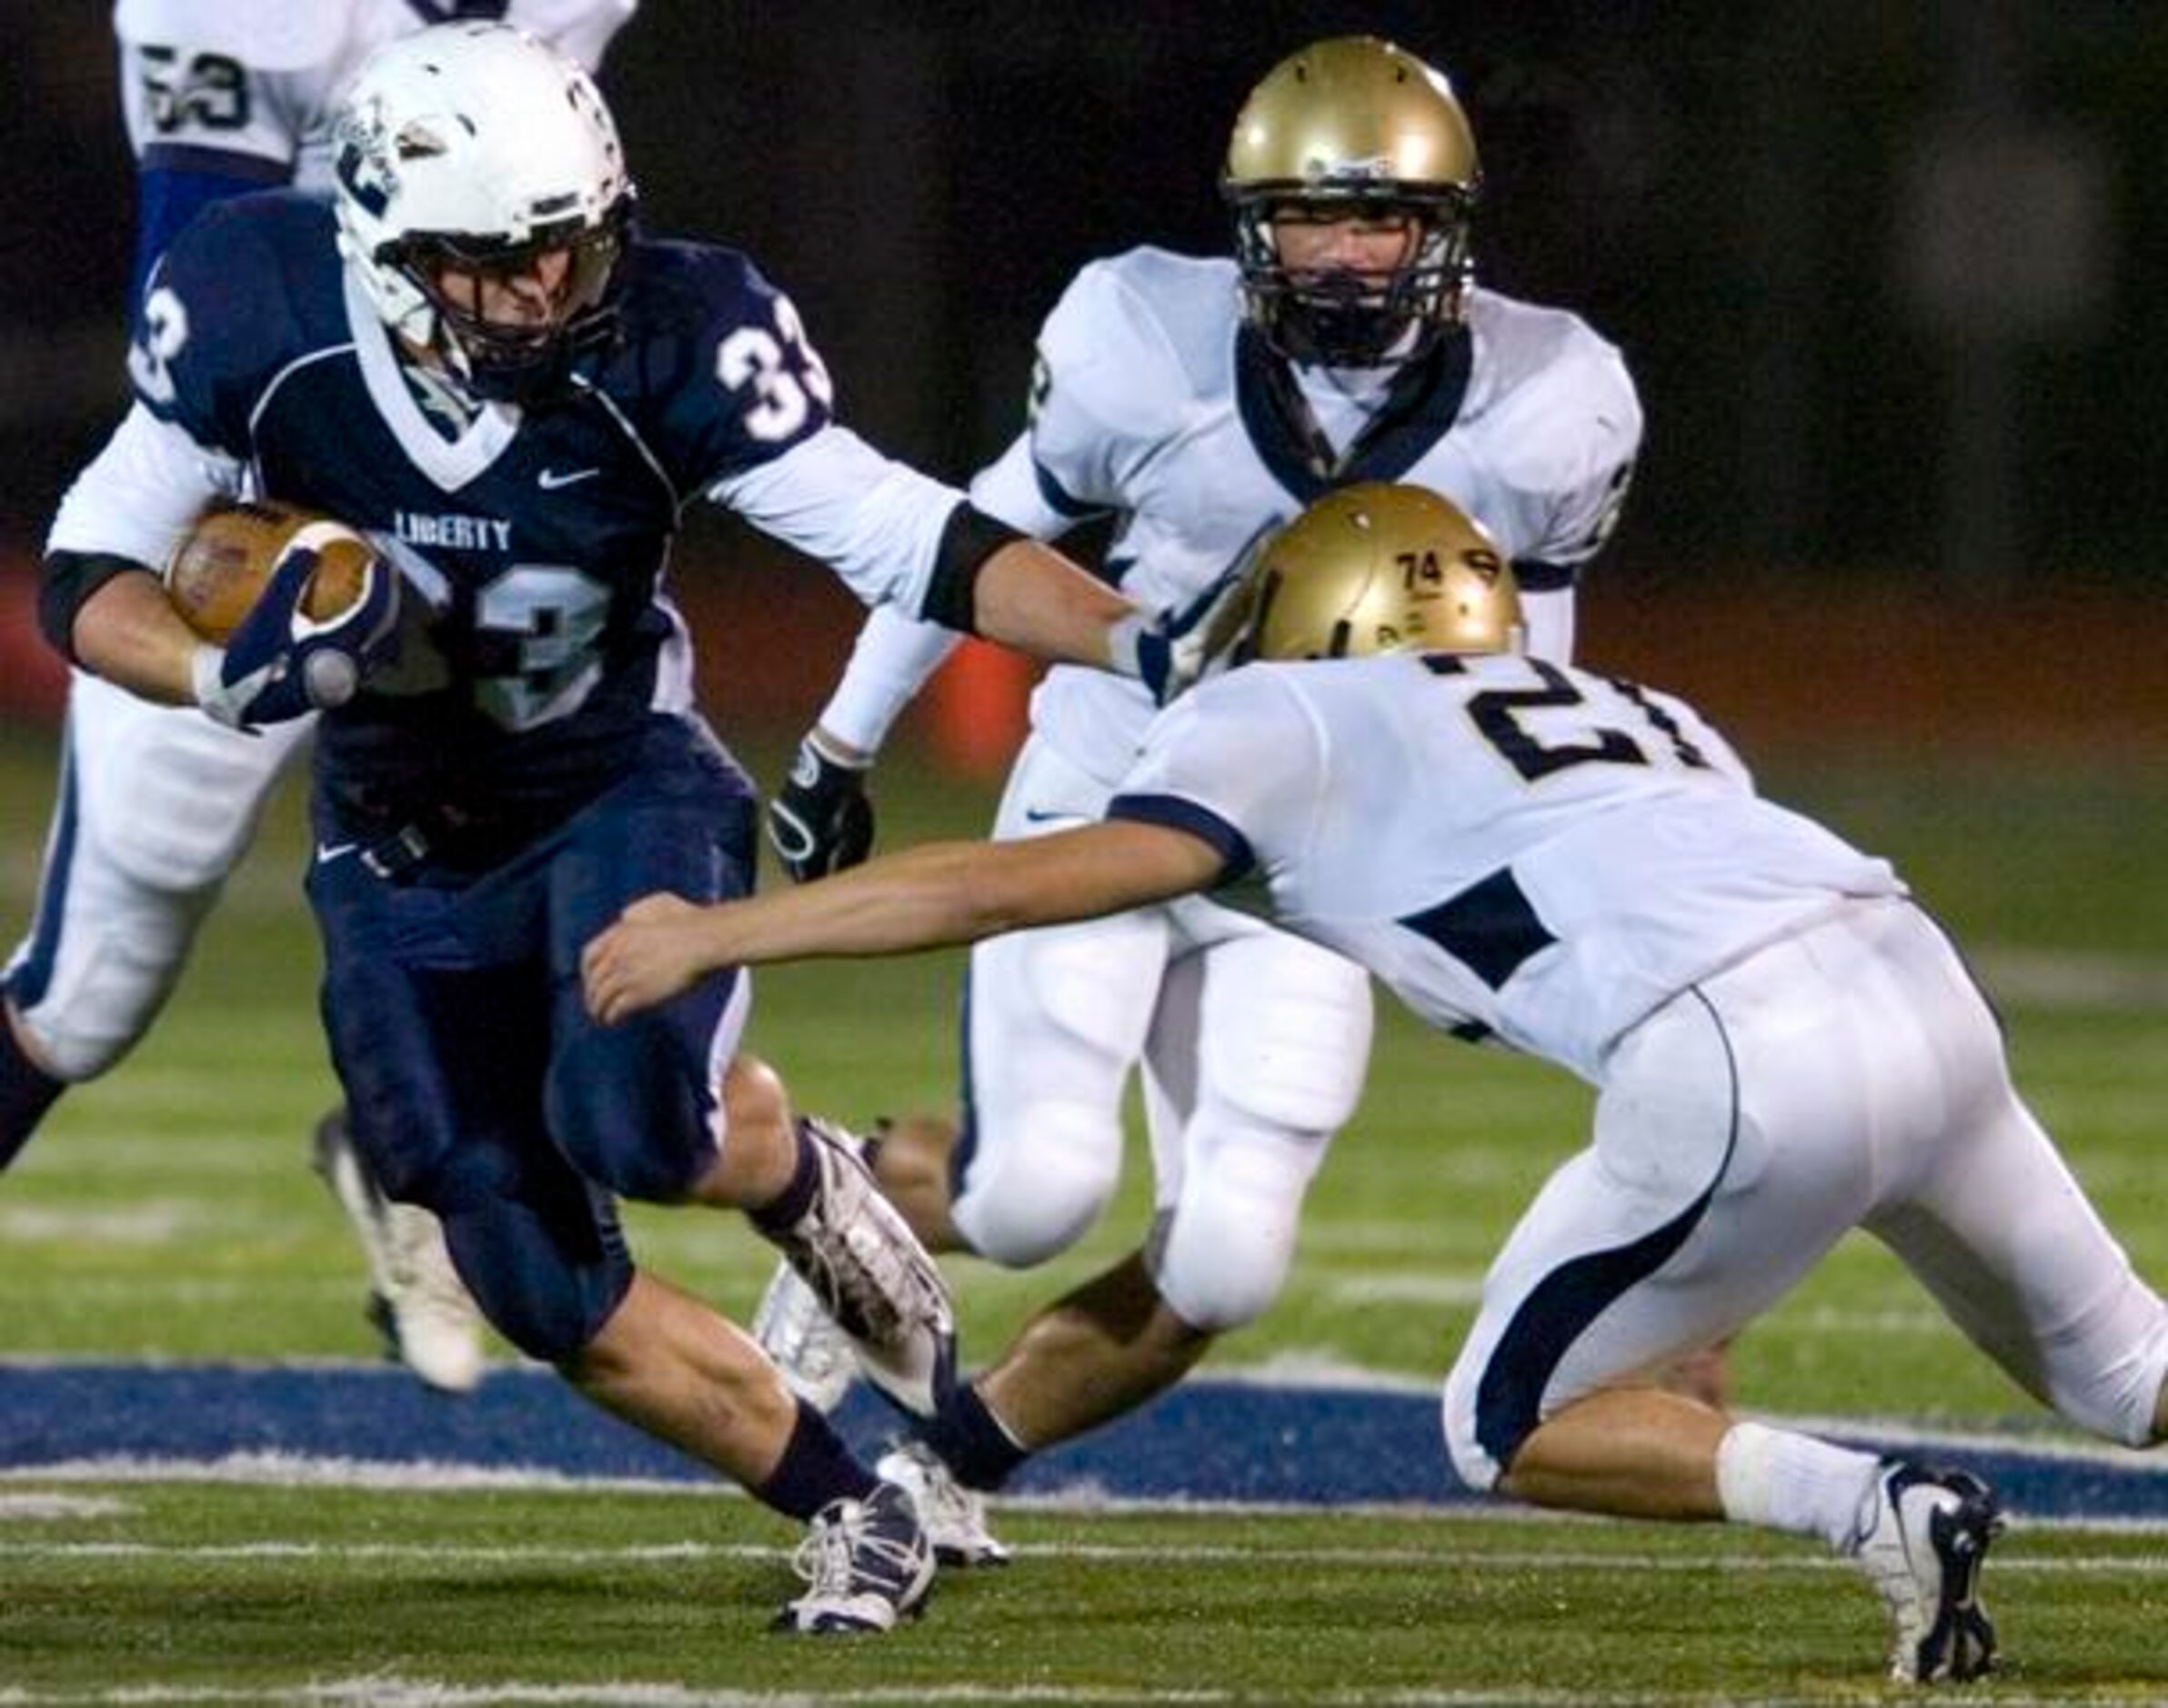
1226, 1250
1028, 1203
632, 1114
112, 976
753, 1094
548, 1302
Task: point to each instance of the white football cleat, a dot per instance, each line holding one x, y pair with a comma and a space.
954, 1515
1922, 1537
802, 1341
428, 1320
854, 1249
867, 1563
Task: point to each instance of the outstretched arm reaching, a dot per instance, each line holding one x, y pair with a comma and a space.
922, 897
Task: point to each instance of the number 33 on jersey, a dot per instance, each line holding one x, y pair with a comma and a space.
534, 542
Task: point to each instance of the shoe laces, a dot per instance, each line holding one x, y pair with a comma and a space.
851, 1550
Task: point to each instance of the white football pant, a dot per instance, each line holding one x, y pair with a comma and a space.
158, 804
1254, 1044
1850, 1077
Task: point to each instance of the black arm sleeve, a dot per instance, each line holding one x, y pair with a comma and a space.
971, 537
71, 577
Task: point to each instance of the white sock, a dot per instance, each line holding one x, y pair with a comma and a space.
1782, 1480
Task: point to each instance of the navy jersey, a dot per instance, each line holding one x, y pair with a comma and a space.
537, 641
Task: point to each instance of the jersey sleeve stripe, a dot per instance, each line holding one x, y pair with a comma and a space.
1236, 858
1535, 576
1059, 499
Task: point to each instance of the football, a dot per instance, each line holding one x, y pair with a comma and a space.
216, 574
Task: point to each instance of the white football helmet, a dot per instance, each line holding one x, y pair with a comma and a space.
477, 147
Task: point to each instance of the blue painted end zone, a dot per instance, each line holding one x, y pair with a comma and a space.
1207, 1440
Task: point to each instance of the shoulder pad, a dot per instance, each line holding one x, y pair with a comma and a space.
1156, 327
248, 285
715, 361
1549, 371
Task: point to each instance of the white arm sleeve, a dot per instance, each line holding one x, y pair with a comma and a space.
896, 656
893, 660
140, 494
874, 521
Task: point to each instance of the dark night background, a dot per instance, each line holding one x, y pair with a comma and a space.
1891, 277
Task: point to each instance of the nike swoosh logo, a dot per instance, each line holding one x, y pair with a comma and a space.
550, 479
329, 851
1040, 815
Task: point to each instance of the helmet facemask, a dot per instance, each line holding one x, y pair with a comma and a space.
1353, 128
1338, 317
516, 360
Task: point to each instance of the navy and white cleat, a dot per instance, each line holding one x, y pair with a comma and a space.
853, 1249
867, 1565
1923, 1536
953, 1513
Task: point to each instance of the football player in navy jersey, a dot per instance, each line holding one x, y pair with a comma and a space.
477, 357
158, 805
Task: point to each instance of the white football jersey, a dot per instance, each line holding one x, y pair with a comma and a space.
1520, 850
1148, 404
255, 83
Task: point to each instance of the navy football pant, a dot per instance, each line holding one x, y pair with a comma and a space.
477, 1085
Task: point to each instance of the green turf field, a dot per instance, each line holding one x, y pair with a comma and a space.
166, 1213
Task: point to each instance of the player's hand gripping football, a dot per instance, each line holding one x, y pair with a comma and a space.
647, 957
289, 657
821, 820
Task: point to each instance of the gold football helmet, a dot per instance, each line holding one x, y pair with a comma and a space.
1353, 126
1382, 569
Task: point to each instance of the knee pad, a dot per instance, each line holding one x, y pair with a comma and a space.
547, 1281
102, 960
634, 1105
1286, 1036
1223, 1255
1022, 1204
1054, 1019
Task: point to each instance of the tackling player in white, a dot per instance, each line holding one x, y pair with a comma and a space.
1200, 401
158, 805
1784, 1047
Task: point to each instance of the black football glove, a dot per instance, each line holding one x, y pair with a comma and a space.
821, 820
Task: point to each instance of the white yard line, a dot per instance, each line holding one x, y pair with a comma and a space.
383, 1691
1151, 1555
